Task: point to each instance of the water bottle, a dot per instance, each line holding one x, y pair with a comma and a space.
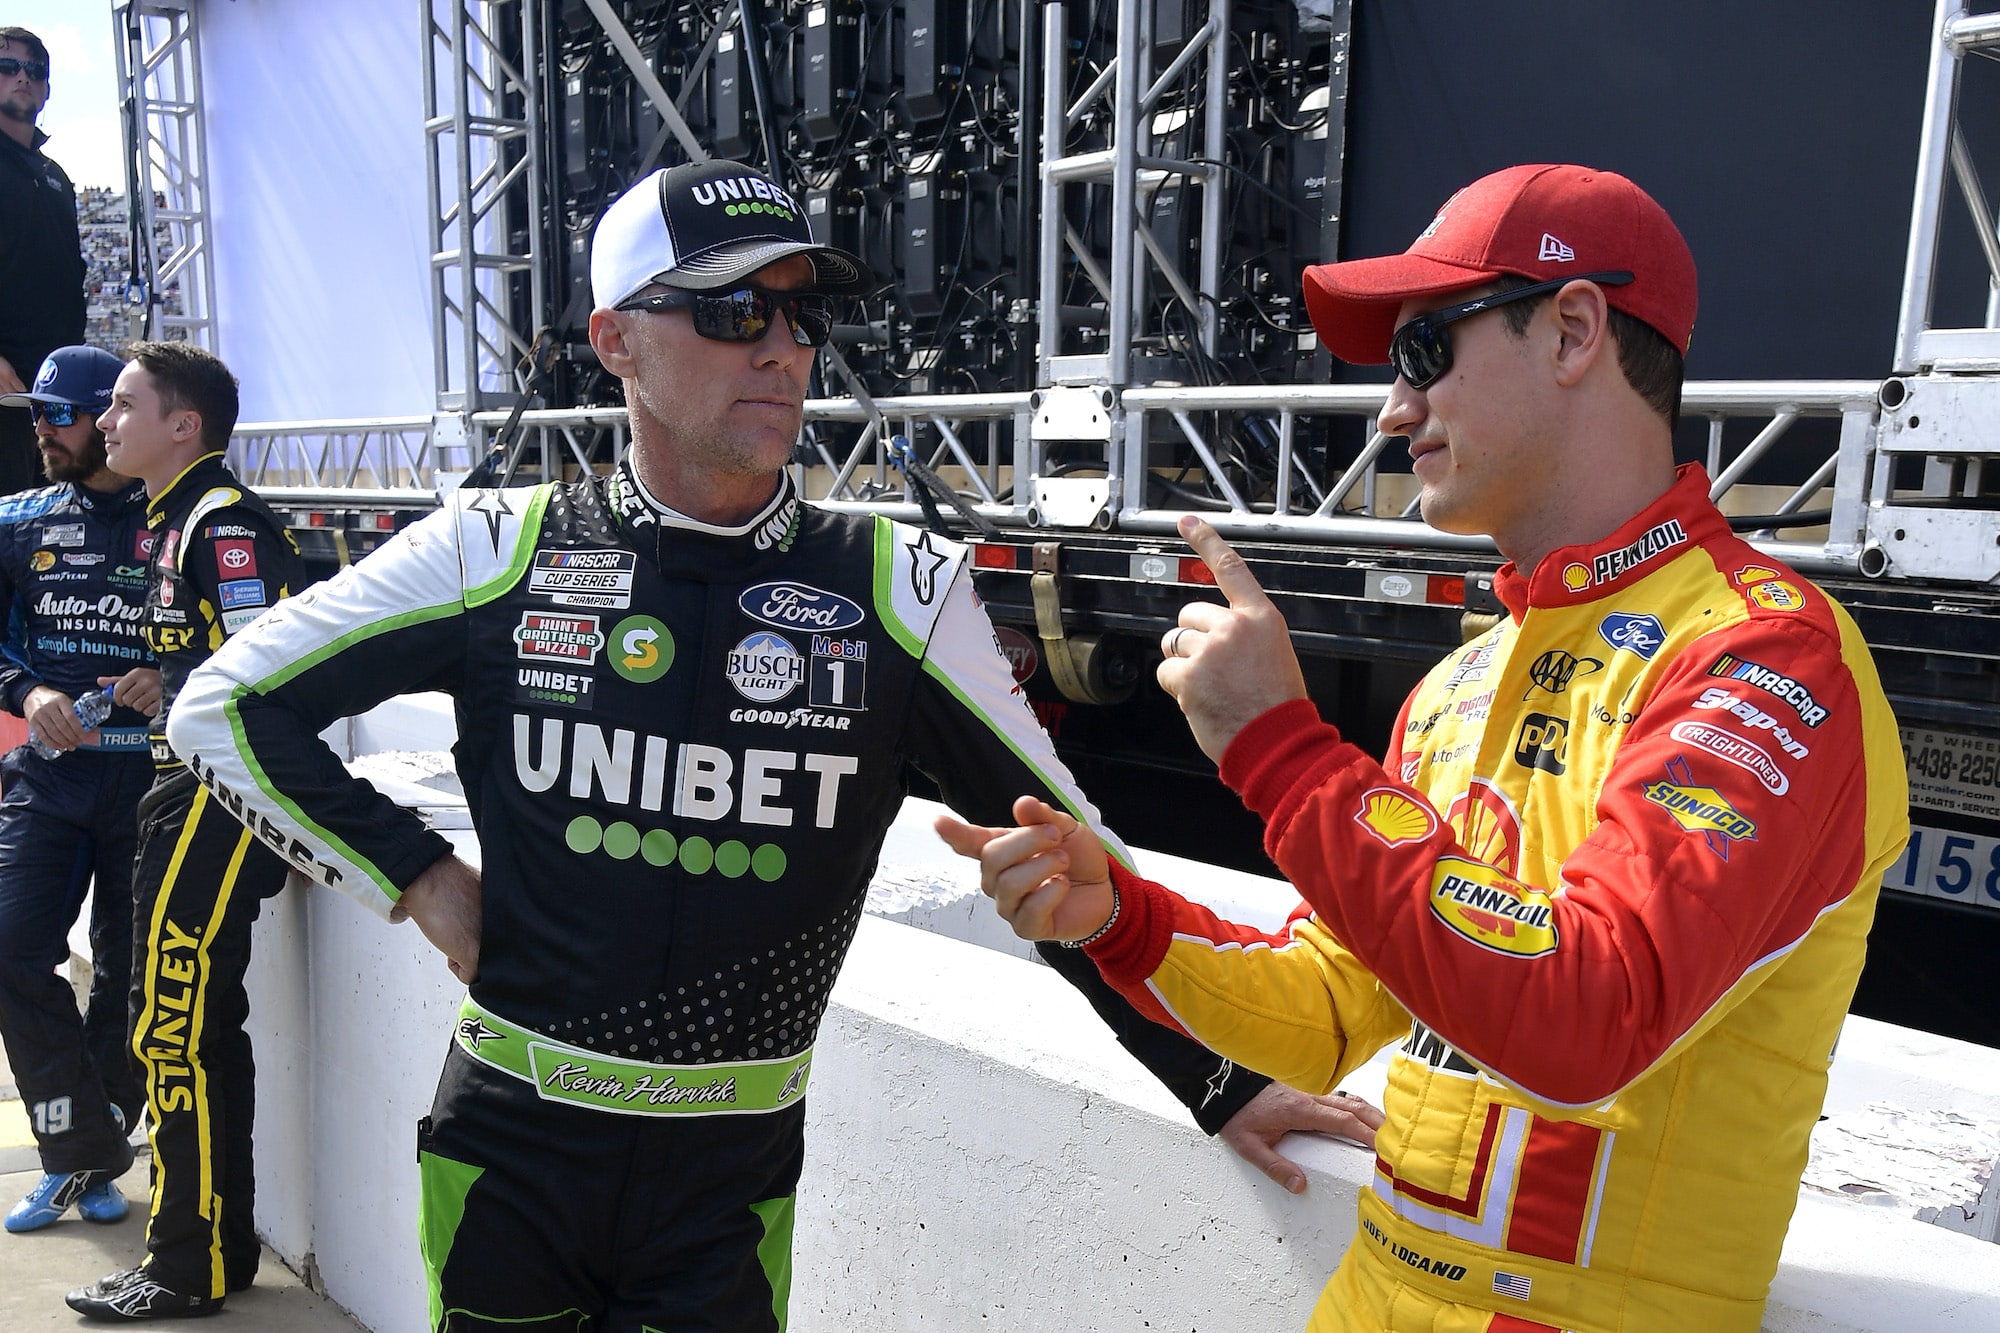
91, 710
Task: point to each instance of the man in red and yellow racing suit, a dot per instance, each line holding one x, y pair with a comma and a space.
1611, 885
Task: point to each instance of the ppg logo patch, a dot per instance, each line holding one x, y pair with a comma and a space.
1543, 743
1638, 634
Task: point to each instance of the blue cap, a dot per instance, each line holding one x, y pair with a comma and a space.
80, 376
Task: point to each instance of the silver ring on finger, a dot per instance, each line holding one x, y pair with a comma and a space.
1174, 641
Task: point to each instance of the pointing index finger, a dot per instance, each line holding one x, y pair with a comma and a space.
1232, 575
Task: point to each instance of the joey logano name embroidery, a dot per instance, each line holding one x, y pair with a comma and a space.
706, 782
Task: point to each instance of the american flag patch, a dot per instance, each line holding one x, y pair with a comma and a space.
1512, 1284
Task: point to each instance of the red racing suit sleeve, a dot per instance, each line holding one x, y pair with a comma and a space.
1718, 837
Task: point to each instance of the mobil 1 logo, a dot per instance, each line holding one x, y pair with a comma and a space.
838, 677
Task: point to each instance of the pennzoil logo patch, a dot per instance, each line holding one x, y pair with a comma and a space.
1395, 818
1769, 588
1492, 910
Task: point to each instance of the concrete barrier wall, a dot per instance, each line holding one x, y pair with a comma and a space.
981, 1153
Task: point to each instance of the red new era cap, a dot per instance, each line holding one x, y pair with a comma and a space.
1537, 222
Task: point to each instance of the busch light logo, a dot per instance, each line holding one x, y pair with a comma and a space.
798, 606
765, 668
1631, 633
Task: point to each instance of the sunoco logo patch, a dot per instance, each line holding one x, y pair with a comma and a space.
1493, 911
1700, 809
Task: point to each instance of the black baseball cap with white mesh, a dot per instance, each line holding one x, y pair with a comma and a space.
705, 225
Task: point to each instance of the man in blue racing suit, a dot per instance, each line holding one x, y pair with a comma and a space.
685, 703
72, 587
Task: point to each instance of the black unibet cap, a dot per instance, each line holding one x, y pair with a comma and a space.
706, 225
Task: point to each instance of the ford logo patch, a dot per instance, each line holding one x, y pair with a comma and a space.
799, 606
1633, 633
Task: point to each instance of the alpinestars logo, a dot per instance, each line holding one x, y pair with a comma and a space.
925, 561
1553, 249
477, 1033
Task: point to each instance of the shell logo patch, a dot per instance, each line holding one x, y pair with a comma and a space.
1493, 911
1576, 577
1394, 818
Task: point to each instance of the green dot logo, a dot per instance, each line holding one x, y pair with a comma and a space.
732, 209
584, 835
658, 847
732, 858
621, 841
696, 855
642, 649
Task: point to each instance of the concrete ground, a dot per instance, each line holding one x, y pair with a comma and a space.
36, 1269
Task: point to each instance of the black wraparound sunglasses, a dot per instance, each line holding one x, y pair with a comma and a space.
744, 315
37, 70
1421, 349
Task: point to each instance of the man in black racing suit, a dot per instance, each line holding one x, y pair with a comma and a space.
685, 700
220, 557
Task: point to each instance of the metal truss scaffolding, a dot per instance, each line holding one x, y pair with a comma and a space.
1941, 410
159, 68
482, 107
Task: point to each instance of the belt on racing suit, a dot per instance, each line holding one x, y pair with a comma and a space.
564, 1073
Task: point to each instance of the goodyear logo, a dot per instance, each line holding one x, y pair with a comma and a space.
1394, 818
1700, 809
1493, 911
